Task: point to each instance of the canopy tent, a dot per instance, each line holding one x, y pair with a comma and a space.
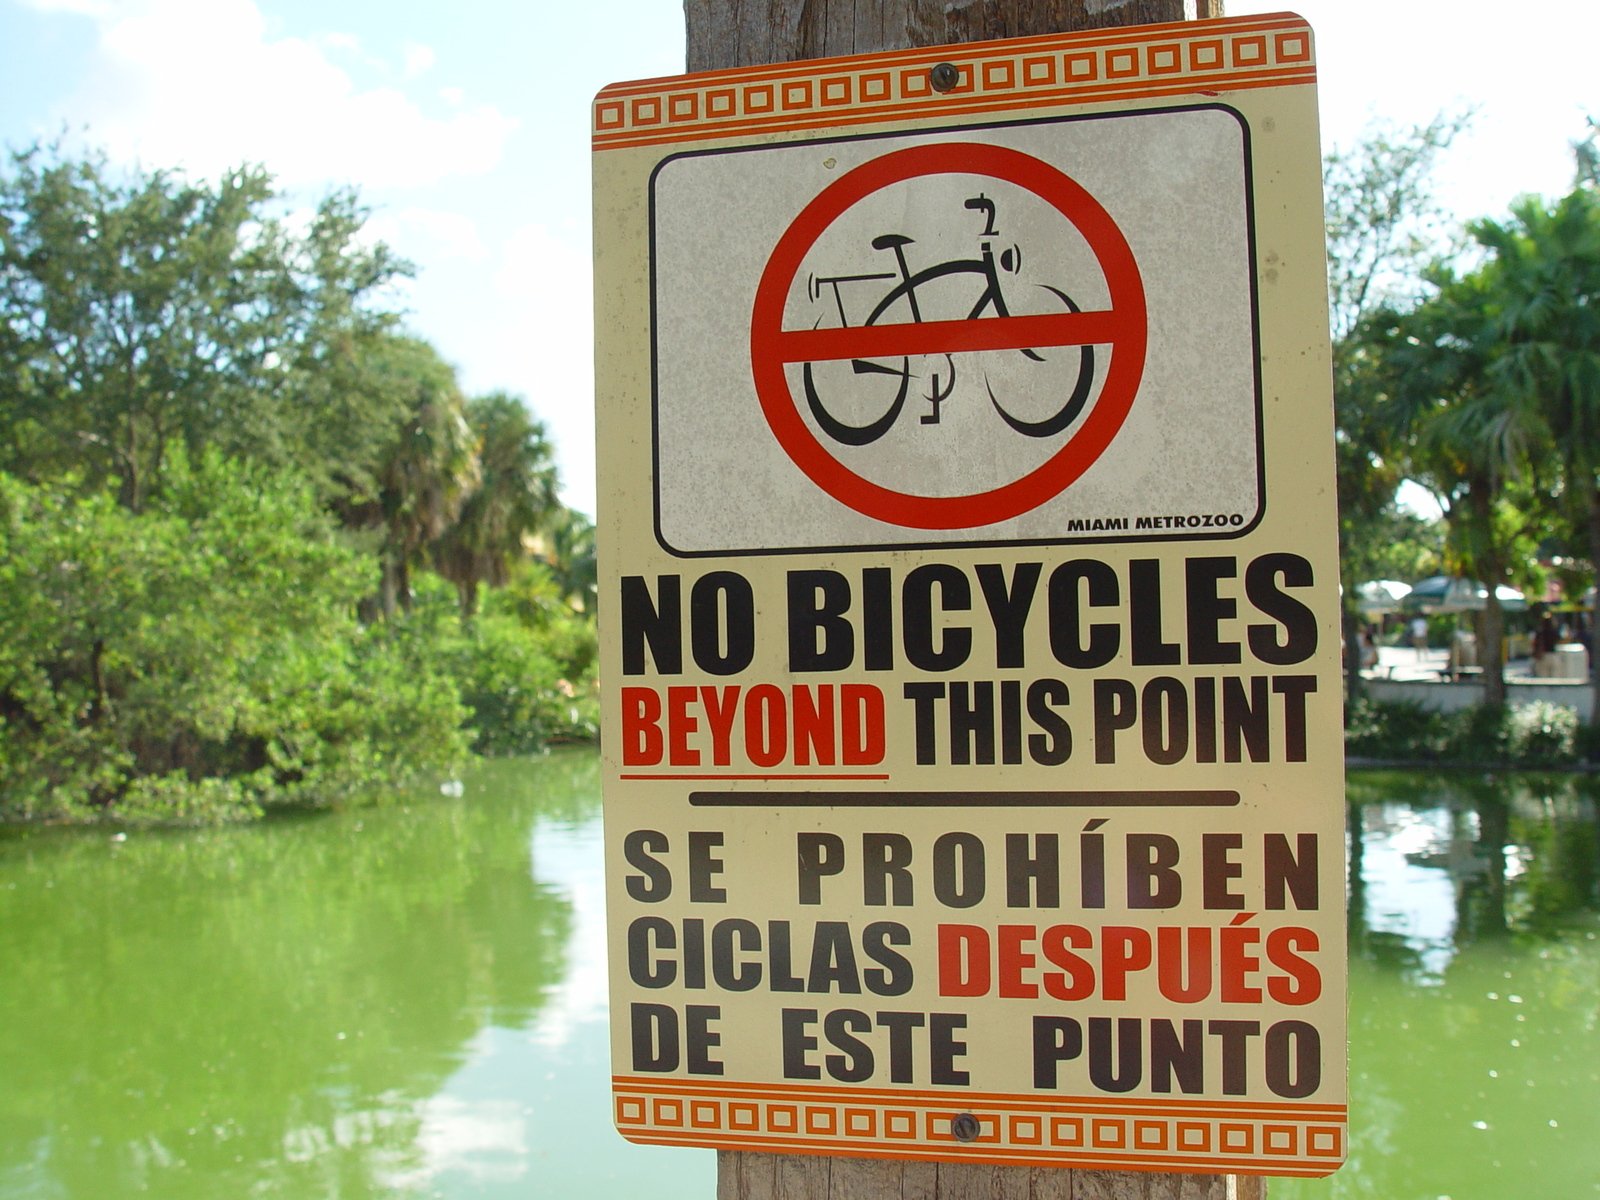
1379, 596
1451, 593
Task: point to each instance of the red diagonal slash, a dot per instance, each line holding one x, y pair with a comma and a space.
951, 337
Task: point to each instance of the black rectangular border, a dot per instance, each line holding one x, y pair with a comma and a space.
885, 547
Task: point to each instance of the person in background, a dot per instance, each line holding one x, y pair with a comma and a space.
1544, 639
1419, 635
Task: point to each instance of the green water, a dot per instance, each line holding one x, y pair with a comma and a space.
1474, 990
409, 1001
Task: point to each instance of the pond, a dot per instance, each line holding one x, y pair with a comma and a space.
409, 1001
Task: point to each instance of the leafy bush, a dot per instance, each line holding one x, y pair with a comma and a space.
1586, 743
1543, 733
1480, 734
1533, 735
198, 659
1398, 731
525, 671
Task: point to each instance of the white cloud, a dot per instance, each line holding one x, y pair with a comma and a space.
428, 234
88, 8
339, 41
539, 344
200, 83
419, 60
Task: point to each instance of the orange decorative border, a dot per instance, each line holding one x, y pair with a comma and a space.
1204, 57
1066, 1131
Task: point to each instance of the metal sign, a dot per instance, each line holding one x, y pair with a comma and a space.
973, 770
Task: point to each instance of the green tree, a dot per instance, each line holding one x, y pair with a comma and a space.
1473, 442
515, 498
335, 406
1544, 271
572, 562
424, 471
1383, 226
200, 658
141, 311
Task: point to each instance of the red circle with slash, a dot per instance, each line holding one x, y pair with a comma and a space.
1124, 326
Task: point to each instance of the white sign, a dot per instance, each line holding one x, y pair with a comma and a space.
944, 338
972, 742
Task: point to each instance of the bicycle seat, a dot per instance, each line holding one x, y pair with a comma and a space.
889, 241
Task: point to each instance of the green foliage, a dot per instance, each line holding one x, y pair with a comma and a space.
1542, 734
222, 449
1586, 743
514, 499
1383, 226
525, 666
1539, 734
201, 658
519, 693
1484, 733
1396, 732
144, 311
1487, 391
425, 467
573, 562
1544, 276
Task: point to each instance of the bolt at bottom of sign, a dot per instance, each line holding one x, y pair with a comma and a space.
965, 1128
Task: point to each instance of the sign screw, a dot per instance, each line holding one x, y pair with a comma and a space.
965, 1128
944, 77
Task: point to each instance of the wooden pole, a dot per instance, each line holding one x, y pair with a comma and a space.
741, 33
745, 33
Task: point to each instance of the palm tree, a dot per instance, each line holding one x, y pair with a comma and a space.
1465, 437
572, 560
1545, 270
514, 499
424, 473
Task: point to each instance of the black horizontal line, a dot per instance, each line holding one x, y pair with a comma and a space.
1182, 798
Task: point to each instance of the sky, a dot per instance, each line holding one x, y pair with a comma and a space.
465, 129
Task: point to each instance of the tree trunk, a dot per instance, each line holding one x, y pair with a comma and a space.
740, 33
132, 495
402, 579
743, 33
97, 678
389, 585
1594, 613
1351, 624
1491, 568
747, 1175
1491, 657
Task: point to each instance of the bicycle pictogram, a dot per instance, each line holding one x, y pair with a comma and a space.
897, 364
903, 291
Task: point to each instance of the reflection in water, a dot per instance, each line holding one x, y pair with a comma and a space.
1475, 989
296, 1008
410, 1001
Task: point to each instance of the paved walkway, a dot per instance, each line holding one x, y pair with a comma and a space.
1404, 662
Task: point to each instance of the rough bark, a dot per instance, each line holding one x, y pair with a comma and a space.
746, 1175
740, 33
1492, 570
1594, 614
